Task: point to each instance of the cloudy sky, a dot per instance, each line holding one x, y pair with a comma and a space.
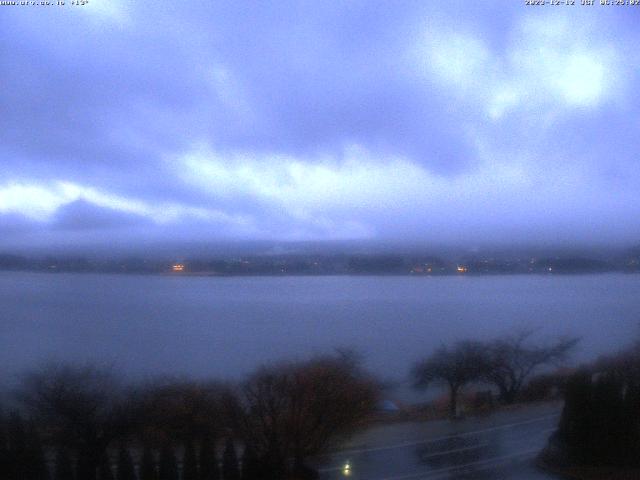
453, 121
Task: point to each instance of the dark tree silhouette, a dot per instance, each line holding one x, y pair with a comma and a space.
577, 415
230, 468
21, 450
5, 459
209, 469
126, 470
82, 406
35, 463
105, 471
511, 360
594, 426
608, 421
296, 410
148, 465
454, 367
250, 464
63, 469
189, 463
180, 410
600, 423
16, 446
168, 465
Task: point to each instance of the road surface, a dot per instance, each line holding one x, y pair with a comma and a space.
501, 446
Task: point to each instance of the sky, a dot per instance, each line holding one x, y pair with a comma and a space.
124, 123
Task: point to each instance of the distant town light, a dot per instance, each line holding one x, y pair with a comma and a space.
346, 470
178, 267
461, 269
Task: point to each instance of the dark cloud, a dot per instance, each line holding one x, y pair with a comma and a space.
81, 215
15, 225
479, 99
312, 77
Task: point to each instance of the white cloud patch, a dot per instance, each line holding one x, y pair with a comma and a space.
109, 11
227, 88
548, 64
354, 195
33, 201
305, 187
372, 194
40, 202
457, 60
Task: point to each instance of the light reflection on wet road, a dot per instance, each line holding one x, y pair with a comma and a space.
501, 446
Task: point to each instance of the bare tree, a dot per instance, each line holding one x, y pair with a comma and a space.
82, 407
293, 411
453, 367
181, 411
509, 361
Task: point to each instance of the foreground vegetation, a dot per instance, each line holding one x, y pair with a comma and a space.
506, 363
599, 432
82, 423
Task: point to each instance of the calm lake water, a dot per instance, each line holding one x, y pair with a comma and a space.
227, 326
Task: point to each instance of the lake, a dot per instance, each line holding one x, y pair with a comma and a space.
225, 327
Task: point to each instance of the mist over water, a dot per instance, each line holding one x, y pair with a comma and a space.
225, 327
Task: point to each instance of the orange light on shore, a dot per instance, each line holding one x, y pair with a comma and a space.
178, 267
461, 269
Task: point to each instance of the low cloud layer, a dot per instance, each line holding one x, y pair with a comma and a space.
301, 121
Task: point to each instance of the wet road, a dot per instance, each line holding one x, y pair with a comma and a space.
496, 447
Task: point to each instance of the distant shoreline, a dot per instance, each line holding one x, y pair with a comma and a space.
398, 264
329, 274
